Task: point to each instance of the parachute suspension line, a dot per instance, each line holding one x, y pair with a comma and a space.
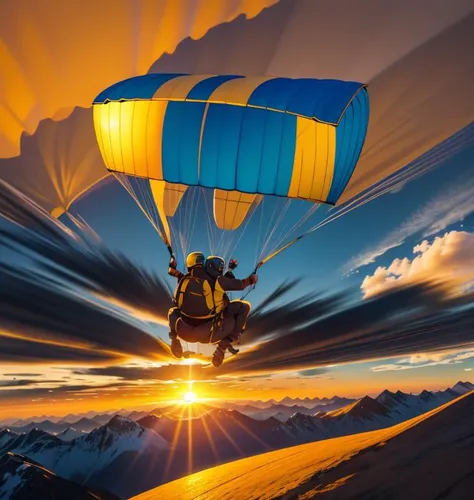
277, 223
126, 184
233, 245
293, 229
175, 230
195, 196
150, 205
262, 208
288, 228
418, 167
274, 225
423, 164
180, 228
186, 222
225, 243
429, 161
285, 232
175, 236
283, 225
209, 226
267, 232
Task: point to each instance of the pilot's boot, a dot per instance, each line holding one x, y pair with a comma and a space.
176, 347
218, 356
232, 349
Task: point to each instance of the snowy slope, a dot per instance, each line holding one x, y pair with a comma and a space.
6, 436
217, 430
23, 479
35, 440
405, 461
84, 456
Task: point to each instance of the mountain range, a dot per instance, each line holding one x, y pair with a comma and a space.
255, 409
126, 457
427, 457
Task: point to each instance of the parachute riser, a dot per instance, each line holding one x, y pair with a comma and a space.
253, 286
170, 250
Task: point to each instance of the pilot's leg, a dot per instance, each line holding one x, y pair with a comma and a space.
233, 324
173, 320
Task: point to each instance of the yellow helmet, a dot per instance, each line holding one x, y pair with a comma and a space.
194, 259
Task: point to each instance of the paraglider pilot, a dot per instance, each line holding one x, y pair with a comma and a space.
203, 312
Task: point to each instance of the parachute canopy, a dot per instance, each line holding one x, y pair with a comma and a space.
247, 136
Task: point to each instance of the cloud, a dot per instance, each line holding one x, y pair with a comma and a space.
309, 335
449, 259
51, 313
426, 360
66, 322
17, 383
158, 373
335, 330
28, 350
50, 310
312, 372
59, 392
79, 259
451, 205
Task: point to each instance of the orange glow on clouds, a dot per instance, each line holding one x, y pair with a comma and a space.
56, 55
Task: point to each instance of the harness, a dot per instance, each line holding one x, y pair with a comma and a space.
190, 285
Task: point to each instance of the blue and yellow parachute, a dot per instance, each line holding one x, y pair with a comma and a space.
243, 137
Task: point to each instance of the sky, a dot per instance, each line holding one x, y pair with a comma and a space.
344, 255
378, 298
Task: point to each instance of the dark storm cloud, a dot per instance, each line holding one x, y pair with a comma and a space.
22, 374
413, 319
77, 258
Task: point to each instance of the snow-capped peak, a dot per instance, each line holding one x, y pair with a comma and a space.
463, 387
69, 434
427, 395
122, 424
6, 435
385, 396
362, 409
301, 421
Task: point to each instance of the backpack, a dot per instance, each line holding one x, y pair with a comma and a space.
194, 297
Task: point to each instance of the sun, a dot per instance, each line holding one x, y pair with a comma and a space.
190, 397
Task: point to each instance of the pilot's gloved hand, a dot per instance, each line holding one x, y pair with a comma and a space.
173, 264
233, 263
253, 279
